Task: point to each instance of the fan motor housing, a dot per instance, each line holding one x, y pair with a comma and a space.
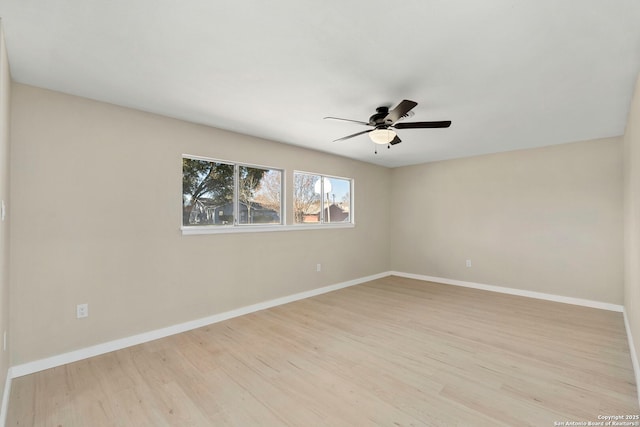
379, 117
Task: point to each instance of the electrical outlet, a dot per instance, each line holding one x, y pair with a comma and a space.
468, 263
318, 267
82, 310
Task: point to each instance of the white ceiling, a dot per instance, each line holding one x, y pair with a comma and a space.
510, 74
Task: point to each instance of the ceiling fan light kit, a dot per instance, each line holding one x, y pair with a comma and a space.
382, 136
384, 124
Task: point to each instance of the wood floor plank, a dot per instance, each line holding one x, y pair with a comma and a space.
393, 351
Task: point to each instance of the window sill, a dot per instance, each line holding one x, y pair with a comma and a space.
187, 231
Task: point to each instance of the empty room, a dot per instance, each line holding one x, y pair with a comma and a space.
292, 213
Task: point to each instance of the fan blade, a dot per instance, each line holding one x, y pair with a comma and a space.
421, 125
351, 136
395, 141
403, 108
347, 120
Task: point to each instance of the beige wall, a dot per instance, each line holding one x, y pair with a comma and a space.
96, 215
5, 84
632, 218
96, 218
546, 220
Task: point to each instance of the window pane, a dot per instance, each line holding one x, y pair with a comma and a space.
259, 195
337, 201
306, 200
207, 193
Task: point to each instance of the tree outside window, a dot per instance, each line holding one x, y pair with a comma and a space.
218, 193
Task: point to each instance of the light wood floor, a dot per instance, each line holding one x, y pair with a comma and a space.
389, 352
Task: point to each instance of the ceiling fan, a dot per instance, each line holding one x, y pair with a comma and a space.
384, 123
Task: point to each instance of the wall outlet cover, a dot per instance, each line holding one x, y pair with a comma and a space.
82, 310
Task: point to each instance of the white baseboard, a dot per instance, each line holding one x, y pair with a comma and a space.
5, 399
96, 350
512, 291
84, 353
634, 355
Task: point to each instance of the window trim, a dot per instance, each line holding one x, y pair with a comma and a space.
322, 224
228, 229
236, 226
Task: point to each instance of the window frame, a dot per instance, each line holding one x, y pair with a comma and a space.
284, 224
322, 224
236, 226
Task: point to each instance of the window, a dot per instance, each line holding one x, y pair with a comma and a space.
321, 199
216, 193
